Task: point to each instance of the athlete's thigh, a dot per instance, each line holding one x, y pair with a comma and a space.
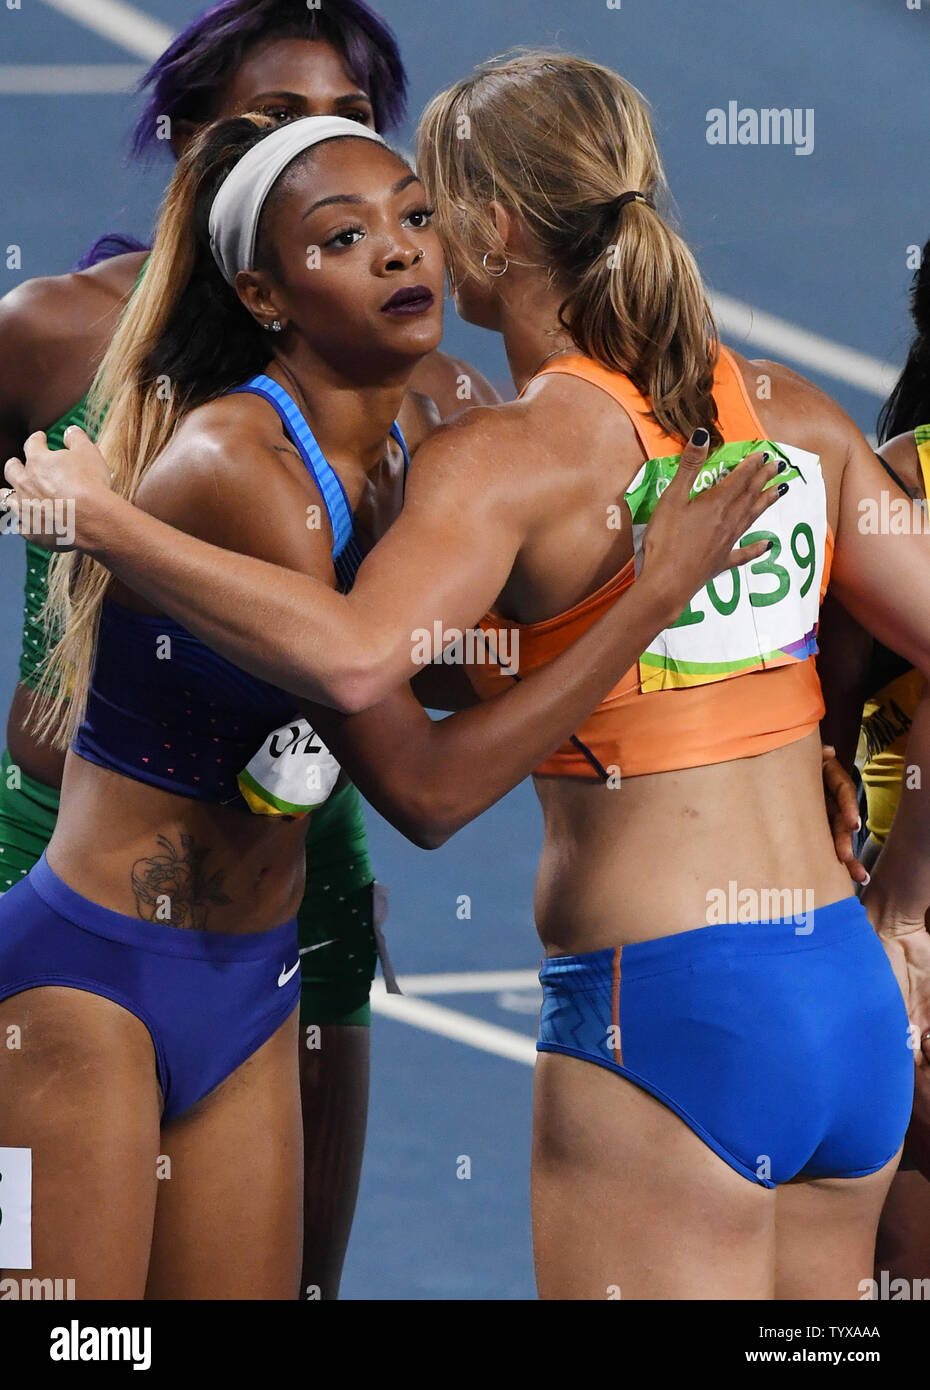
628, 1202
825, 1234
228, 1219
78, 1088
334, 1104
903, 1246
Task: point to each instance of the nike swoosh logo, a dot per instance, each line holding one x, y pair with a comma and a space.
286, 974
316, 946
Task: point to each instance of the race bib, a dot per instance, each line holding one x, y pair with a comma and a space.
15, 1208
291, 774
764, 614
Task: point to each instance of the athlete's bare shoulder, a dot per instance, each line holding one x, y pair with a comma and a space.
230, 476
795, 411
54, 331
500, 460
52, 308
787, 396
452, 384
225, 446
477, 439
901, 454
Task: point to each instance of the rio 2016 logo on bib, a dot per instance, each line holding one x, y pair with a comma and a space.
762, 615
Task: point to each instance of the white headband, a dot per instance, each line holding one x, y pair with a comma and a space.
241, 197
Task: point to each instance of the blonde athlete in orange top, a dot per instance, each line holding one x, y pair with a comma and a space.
721, 1111
712, 724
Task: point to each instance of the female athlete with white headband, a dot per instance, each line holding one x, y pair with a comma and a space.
150, 958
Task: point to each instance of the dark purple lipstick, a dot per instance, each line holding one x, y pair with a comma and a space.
414, 300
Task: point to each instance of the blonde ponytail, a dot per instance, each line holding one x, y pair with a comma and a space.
556, 138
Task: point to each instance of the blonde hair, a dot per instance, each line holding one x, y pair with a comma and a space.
556, 139
184, 338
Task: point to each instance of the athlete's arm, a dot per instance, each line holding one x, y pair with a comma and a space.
845, 646
883, 581
882, 577
428, 778
450, 553
469, 506
843, 658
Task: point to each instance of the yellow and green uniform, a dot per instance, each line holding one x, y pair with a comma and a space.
889, 712
336, 930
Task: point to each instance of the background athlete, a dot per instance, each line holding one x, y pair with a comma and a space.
873, 695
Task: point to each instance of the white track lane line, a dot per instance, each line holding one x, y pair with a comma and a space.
469, 982
138, 33
758, 329
449, 1023
68, 79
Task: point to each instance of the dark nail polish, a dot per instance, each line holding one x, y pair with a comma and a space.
770, 544
782, 466
766, 456
782, 489
700, 438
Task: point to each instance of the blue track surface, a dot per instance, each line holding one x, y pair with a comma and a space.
819, 240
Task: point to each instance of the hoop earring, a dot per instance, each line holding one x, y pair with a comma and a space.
495, 274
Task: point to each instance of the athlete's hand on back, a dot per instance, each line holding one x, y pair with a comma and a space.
54, 487
689, 541
839, 791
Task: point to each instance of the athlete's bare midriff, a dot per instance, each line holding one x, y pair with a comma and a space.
154, 855
675, 851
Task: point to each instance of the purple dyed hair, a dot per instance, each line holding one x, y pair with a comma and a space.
184, 80
108, 246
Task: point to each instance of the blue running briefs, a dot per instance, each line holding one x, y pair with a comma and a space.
785, 1047
208, 999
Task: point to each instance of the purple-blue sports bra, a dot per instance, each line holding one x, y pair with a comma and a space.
165, 709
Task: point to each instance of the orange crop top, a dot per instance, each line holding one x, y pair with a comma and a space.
674, 709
